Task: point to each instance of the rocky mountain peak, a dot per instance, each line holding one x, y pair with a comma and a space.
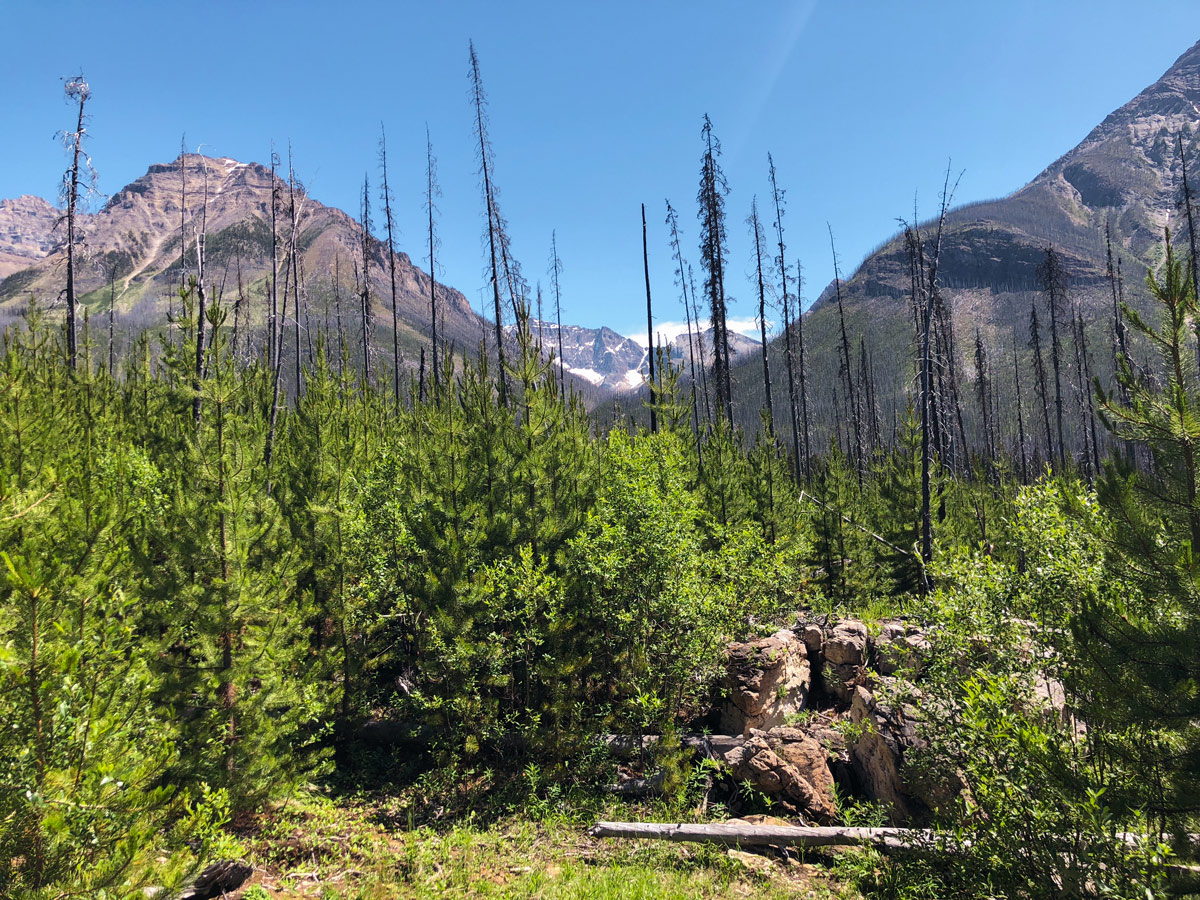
27, 232
152, 226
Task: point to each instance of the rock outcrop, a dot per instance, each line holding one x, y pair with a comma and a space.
795, 753
27, 232
789, 765
768, 680
845, 658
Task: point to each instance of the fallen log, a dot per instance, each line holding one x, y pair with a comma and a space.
746, 835
1180, 878
743, 835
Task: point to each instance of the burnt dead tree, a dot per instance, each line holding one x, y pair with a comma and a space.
1039, 375
844, 367
713, 256
802, 371
1087, 408
1193, 262
201, 300
79, 176
385, 197
1022, 445
691, 314
926, 285
757, 232
273, 316
777, 197
364, 285
1052, 278
985, 408
649, 327
432, 192
479, 99
556, 268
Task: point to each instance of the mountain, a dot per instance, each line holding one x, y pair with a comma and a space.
605, 359
27, 232
137, 237
1126, 175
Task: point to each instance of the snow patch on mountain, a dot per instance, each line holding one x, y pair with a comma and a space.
604, 358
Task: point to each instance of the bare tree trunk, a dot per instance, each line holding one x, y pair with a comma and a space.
1053, 280
365, 286
273, 325
1086, 380
847, 375
294, 252
928, 282
479, 100
756, 228
1039, 373
777, 199
201, 298
556, 270
649, 326
946, 328
1020, 415
807, 434
76, 89
985, 412
112, 321
431, 193
391, 244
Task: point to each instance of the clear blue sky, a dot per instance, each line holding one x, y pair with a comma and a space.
595, 108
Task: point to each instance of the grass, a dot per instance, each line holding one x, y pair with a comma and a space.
316, 846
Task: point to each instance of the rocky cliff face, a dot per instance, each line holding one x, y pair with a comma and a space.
1126, 174
149, 230
27, 232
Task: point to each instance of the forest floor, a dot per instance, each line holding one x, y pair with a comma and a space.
316, 846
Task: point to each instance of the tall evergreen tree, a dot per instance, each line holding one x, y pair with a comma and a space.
1141, 637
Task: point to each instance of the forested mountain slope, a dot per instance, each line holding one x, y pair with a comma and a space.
1125, 178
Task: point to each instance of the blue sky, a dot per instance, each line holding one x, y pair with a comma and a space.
595, 109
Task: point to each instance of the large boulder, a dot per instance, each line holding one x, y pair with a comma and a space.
900, 647
811, 759
845, 658
882, 748
793, 771
878, 745
767, 680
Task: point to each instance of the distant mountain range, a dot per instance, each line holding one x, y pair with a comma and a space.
607, 360
137, 234
1126, 176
